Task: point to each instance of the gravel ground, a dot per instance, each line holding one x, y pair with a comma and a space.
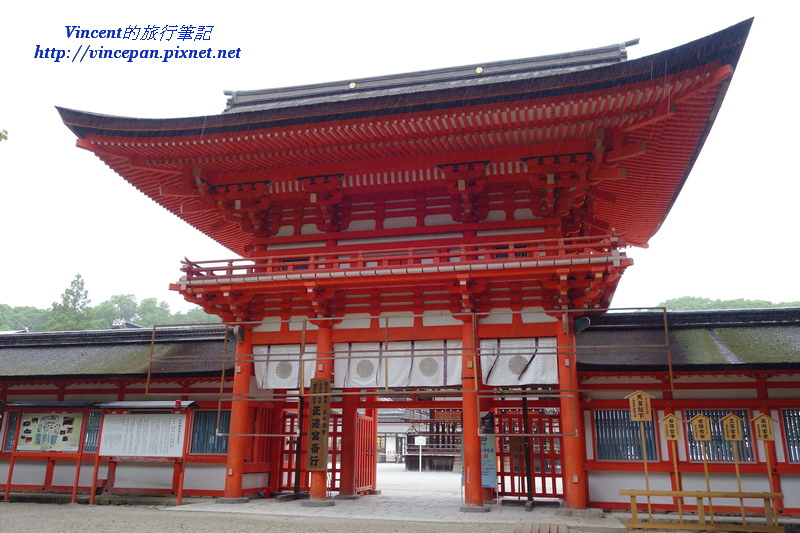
54, 518
392, 478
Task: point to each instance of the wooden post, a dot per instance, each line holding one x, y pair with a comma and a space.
324, 370
471, 439
574, 447
672, 431
237, 442
347, 480
80, 456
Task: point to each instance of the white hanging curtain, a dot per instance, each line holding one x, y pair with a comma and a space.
278, 366
436, 363
397, 364
512, 362
356, 365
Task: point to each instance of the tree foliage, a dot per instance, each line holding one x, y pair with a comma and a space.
696, 303
73, 313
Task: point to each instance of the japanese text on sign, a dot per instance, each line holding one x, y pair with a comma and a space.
640, 407
764, 429
701, 428
319, 413
732, 427
672, 427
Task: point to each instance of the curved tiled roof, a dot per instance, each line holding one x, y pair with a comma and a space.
743, 338
114, 353
657, 109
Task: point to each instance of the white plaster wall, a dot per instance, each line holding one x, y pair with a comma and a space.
439, 320
402, 241
204, 477
498, 215
64, 474
523, 214
361, 225
400, 222
354, 321
536, 315
498, 316
255, 480
292, 246
296, 324
605, 486
309, 229
144, 476
790, 486
726, 483
714, 394
396, 321
272, 323
510, 231
588, 435
26, 472
285, 231
783, 392
439, 220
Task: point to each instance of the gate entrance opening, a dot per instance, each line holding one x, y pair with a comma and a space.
520, 459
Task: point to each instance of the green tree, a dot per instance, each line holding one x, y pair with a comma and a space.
22, 318
73, 312
152, 312
118, 307
3, 135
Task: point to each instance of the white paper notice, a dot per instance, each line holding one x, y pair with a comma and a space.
143, 435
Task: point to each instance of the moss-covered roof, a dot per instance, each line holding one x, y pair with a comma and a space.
176, 351
740, 337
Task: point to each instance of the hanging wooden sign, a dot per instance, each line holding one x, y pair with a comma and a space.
639, 403
764, 428
731, 427
318, 415
672, 427
701, 427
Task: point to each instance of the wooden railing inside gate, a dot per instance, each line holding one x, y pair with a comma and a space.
705, 523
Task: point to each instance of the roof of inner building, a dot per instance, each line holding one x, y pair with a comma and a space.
730, 340
649, 116
127, 353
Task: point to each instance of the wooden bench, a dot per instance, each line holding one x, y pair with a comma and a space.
702, 523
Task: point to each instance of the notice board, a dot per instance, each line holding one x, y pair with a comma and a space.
143, 435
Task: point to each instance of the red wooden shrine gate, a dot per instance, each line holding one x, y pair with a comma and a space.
366, 453
545, 455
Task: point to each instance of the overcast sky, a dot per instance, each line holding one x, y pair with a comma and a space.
733, 232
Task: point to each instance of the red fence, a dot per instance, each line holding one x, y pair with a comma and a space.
545, 455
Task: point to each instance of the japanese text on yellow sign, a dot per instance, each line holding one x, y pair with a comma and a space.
672, 427
319, 413
732, 427
701, 427
640, 407
764, 429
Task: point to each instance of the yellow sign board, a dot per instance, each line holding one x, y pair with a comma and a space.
640, 406
764, 428
318, 416
701, 427
672, 427
731, 427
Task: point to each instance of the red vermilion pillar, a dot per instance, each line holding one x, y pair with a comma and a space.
240, 423
347, 477
573, 447
324, 369
470, 440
